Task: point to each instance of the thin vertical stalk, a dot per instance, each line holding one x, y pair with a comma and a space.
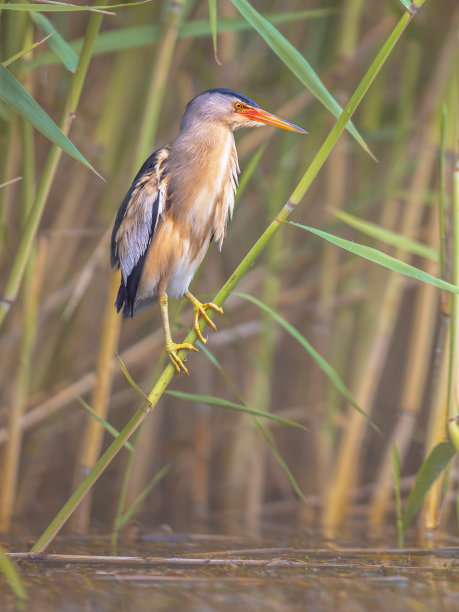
261, 387
346, 472
25, 245
11, 459
158, 81
125, 482
453, 424
30, 304
122, 496
92, 441
418, 360
446, 402
329, 264
8, 165
350, 27
249, 451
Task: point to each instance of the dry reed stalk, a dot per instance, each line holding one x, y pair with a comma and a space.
92, 443
246, 469
30, 306
260, 388
436, 432
352, 15
74, 211
93, 437
329, 280
346, 472
446, 398
201, 452
418, 360
146, 454
227, 41
12, 452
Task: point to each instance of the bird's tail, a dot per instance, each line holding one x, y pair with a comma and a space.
121, 300
131, 308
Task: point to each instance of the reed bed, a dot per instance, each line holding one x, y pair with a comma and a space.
316, 334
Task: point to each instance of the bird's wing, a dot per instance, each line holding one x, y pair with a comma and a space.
136, 222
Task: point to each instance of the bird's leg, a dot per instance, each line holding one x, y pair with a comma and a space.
200, 311
172, 347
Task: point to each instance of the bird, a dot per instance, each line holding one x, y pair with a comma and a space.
178, 203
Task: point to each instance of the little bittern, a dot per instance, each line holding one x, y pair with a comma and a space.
179, 201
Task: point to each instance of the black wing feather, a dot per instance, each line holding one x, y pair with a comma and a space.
146, 167
129, 286
129, 291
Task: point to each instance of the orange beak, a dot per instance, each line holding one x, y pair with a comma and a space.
257, 114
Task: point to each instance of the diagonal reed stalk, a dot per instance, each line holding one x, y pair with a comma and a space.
296, 197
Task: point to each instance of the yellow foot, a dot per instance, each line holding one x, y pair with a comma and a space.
200, 311
172, 348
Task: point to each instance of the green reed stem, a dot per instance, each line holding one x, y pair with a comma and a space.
49, 171
453, 421
168, 373
442, 194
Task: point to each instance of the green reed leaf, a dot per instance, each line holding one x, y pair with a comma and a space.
125, 517
430, 470
60, 7
264, 432
11, 575
387, 236
293, 59
23, 52
132, 382
321, 362
60, 46
105, 424
210, 400
14, 94
213, 25
290, 477
380, 258
140, 36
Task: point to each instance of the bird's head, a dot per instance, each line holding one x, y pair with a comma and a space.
232, 109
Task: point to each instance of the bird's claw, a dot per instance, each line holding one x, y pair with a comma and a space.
172, 348
200, 311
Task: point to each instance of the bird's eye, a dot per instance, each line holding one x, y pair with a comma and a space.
238, 105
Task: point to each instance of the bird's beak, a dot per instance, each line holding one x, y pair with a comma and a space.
262, 116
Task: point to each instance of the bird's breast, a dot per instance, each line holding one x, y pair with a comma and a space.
203, 194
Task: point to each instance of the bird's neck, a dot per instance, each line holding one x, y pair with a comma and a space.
204, 155
203, 176
199, 143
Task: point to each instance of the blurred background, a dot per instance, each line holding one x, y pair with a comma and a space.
383, 334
